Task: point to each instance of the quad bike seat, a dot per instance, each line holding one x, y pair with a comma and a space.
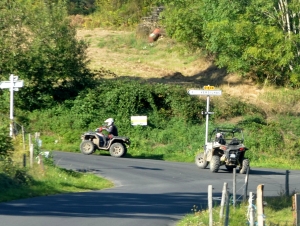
234, 141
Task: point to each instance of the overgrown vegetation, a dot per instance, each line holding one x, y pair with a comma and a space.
276, 212
17, 182
175, 127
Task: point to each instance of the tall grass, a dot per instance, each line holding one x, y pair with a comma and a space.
277, 212
18, 181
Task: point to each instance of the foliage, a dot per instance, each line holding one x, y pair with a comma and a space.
121, 13
240, 36
175, 124
187, 27
39, 45
83, 7
6, 145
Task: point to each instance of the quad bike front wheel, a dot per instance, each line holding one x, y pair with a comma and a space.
215, 163
201, 161
245, 166
87, 147
117, 150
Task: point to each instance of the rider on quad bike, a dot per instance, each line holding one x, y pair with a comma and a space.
115, 144
110, 127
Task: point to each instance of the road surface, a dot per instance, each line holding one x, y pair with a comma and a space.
146, 193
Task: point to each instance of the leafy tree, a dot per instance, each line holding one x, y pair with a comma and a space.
39, 45
255, 38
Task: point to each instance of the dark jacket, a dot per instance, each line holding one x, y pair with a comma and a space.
112, 130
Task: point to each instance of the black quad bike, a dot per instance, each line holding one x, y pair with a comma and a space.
92, 141
224, 148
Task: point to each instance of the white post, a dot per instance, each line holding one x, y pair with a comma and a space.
234, 187
207, 118
210, 205
11, 117
31, 155
207, 91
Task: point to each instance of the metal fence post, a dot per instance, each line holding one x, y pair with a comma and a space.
287, 189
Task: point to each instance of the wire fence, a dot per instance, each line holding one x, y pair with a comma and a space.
279, 183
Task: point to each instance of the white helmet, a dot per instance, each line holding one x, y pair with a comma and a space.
109, 121
219, 135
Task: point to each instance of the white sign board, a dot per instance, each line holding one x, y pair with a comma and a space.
205, 92
9, 84
139, 120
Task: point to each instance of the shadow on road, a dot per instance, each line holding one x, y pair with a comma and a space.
108, 204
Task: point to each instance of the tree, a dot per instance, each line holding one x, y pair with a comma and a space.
254, 38
39, 45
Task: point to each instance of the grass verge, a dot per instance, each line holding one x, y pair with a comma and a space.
277, 212
19, 183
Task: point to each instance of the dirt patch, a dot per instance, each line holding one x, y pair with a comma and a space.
162, 68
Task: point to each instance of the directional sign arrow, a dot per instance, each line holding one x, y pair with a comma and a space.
205, 92
8, 84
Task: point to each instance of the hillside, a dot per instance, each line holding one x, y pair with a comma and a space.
120, 53
109, 51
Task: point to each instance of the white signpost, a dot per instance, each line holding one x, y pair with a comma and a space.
13, 85
206, 91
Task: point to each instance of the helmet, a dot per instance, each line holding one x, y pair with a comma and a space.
219, 135
109, 121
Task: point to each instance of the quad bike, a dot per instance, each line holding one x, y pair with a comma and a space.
225, 148
92, 141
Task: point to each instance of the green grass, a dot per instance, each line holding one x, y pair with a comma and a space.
277, 213
18, 183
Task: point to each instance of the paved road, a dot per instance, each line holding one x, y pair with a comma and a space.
146, 193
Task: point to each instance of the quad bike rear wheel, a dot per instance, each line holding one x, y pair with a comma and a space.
87, 147
117, 150
215, 163
245, 166
201, 161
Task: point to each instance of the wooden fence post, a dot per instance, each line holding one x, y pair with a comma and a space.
41, 162
234, 187
226, 222
224, 191
31, 155
24, 160
23, 137
210, 205
246, 185
259, 204
296, 208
